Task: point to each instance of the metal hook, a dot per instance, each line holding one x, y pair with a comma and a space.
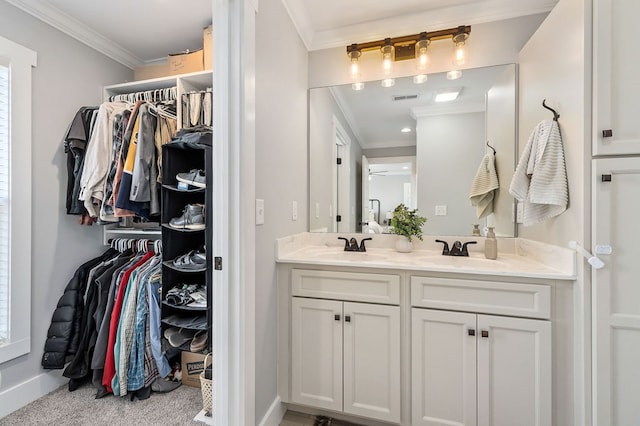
492, 148
555, 114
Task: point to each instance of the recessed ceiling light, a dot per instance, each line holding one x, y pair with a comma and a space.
405, 129
454, 75
357, 86
420, 78
447, 95
405, 168
388, 82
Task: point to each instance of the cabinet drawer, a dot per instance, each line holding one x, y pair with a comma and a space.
352, 286
491, 297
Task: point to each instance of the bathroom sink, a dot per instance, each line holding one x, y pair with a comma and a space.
347, 256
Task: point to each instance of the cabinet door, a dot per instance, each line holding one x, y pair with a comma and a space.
616, 94
616, 293
316, 353
372, 361
443, 368
514, 371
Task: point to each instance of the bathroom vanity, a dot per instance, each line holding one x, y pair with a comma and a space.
423, 339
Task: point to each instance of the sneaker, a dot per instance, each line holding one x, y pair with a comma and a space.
192, 218
194, 177
198, 298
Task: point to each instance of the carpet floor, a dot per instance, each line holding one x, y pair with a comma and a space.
80, 408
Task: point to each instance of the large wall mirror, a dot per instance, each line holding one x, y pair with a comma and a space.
374, 148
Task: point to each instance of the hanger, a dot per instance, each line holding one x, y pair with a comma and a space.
492, 148
555, 114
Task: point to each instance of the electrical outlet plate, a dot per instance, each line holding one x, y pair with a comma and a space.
294, 210
441, 210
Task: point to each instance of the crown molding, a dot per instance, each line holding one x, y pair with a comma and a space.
78, 30
347, 113
447, 17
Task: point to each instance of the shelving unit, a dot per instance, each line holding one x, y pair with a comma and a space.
179, 158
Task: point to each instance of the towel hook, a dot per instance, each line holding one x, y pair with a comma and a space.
492, 148
555, 114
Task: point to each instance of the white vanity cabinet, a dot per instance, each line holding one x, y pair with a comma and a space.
471, 364
616, 94
345, 354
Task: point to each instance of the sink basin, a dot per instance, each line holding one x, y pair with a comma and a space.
346, 256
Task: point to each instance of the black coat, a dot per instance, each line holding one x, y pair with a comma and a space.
63, 335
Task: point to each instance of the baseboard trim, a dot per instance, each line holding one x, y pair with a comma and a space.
274, 414
22, 394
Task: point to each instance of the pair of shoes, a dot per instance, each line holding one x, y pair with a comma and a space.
192, 218
185, 295
198, 298
192, 261
178, 336
141, 394
199, 341
195, 177
164, 385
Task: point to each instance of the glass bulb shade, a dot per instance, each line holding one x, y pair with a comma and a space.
355, 68
454, 74
420, 78
421, 54
388, 82
387, 58
357, 86
459, 53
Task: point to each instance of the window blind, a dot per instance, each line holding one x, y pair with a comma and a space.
4, 204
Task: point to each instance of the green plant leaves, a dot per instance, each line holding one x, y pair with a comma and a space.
407, 223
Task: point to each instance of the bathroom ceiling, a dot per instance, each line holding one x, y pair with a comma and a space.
141, 31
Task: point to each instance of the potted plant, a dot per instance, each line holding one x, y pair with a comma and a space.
408, 224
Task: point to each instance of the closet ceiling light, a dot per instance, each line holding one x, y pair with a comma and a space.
415, 46
406, 130
447, 95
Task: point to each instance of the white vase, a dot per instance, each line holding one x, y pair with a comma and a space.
403, 245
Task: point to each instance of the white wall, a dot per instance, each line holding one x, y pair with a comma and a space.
448, 153
281, 172
555, 64
494, 43
389, 190
68, 76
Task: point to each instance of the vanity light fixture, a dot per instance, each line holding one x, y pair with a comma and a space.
447, 95
357, 85
415, 46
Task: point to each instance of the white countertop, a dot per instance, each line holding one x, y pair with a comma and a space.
517, 257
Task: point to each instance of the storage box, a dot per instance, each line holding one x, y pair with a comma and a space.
208, 47
148, 72
192, 366
183, 63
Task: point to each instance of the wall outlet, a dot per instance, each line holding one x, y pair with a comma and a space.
441, 210
259, 211
294, 210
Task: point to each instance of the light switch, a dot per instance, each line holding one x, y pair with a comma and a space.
294, 210
259, 211
317, 210
441, 210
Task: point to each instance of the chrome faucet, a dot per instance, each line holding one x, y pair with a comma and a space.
457, 249
352, 244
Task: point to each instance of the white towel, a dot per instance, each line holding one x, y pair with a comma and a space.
484, 186
540, 179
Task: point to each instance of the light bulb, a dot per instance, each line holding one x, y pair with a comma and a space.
387, 56
454, 74
357, 85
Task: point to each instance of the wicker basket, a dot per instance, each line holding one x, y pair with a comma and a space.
206, 386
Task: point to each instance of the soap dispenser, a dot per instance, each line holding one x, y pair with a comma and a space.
491, 245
